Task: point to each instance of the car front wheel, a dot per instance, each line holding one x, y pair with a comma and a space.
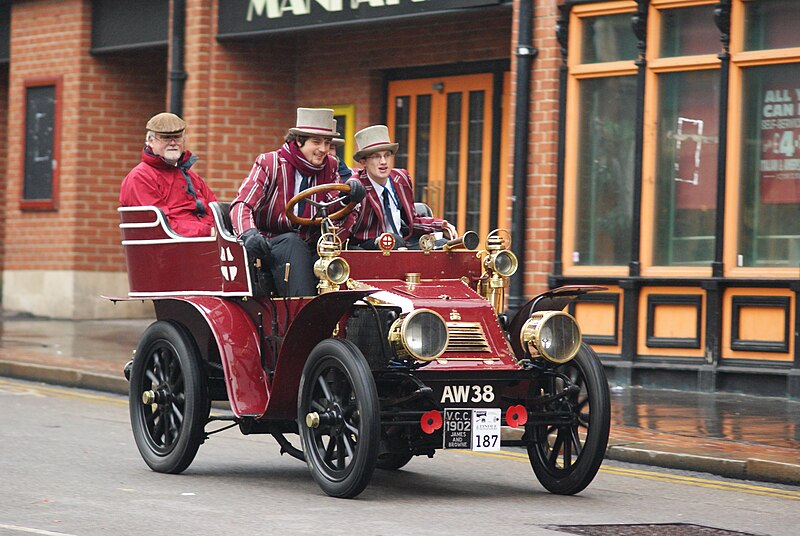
566, 456
339, 418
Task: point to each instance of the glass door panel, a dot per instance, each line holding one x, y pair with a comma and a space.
444, 127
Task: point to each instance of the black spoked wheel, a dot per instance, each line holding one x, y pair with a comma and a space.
169, 406
392, 461
339, 418
566, 456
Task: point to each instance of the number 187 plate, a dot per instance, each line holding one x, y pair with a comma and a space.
476, 429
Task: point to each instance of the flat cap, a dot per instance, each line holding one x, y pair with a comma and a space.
166, 123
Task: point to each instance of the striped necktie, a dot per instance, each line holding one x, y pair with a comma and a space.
387, 212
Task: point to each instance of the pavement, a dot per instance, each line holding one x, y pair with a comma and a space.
731, 435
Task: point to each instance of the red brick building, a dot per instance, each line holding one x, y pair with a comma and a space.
509, 114
239, 97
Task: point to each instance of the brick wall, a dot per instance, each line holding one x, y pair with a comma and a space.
3, 160
119, 94
543, 147
254, 87
45, 39
105, 103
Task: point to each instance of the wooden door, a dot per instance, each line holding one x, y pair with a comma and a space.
445, 128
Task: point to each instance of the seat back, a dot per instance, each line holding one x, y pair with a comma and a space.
163, 263
222, 212
423, 210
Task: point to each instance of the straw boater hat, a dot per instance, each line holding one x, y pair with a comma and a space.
315, 122
373, 139
166, 123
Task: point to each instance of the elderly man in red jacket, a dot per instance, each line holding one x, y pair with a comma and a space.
389, 204
163, 179
258, 214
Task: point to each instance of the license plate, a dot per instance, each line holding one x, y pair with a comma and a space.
474, 429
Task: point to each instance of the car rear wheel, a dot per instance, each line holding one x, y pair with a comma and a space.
566, 457
168, 403
339, 418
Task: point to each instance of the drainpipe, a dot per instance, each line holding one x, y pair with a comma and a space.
562, 36
525, 55
177, 76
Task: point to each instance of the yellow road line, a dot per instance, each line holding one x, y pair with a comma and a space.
666, 477
68, 394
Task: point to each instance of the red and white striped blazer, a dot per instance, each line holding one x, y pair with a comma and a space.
369, 220
262, 198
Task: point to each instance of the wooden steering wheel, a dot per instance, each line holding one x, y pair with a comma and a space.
322, 207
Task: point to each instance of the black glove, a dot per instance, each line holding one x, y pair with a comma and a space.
257, 246
357, 192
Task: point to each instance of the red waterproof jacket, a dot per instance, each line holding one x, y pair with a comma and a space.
155, 182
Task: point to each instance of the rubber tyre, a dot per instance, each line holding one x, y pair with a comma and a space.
341, 452
583, 441
169, 431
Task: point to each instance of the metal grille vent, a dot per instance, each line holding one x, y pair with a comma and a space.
466, 337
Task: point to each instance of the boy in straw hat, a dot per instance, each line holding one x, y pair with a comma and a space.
163, 179
389, 204
258, 213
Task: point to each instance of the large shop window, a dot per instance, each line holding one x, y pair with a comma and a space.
600, 152
683, 82
769, 226
771, 24
681, 143
686, 176
767, 68
605, 171
40, 183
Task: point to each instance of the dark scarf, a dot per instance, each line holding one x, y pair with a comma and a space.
297, 162
186, 161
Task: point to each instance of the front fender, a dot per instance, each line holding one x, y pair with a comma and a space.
552, 300
312, 324
236, 339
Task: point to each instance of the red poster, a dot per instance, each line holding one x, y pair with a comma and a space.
780, 145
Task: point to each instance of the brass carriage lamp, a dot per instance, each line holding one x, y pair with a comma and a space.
499, 264
331, 269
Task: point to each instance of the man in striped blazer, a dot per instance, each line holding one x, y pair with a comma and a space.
389, 203
258, 213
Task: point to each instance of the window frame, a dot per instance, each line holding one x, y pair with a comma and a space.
348, 134
50, 204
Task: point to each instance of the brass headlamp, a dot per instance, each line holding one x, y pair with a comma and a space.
421, 334
552, 335
331, 269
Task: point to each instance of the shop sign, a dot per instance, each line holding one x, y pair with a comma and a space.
238, 18
780, 144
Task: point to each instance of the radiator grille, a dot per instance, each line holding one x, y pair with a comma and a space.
466, 337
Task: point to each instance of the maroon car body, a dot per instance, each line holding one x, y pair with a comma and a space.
344, 370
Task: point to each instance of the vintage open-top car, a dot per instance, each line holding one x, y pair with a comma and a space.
399, 354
